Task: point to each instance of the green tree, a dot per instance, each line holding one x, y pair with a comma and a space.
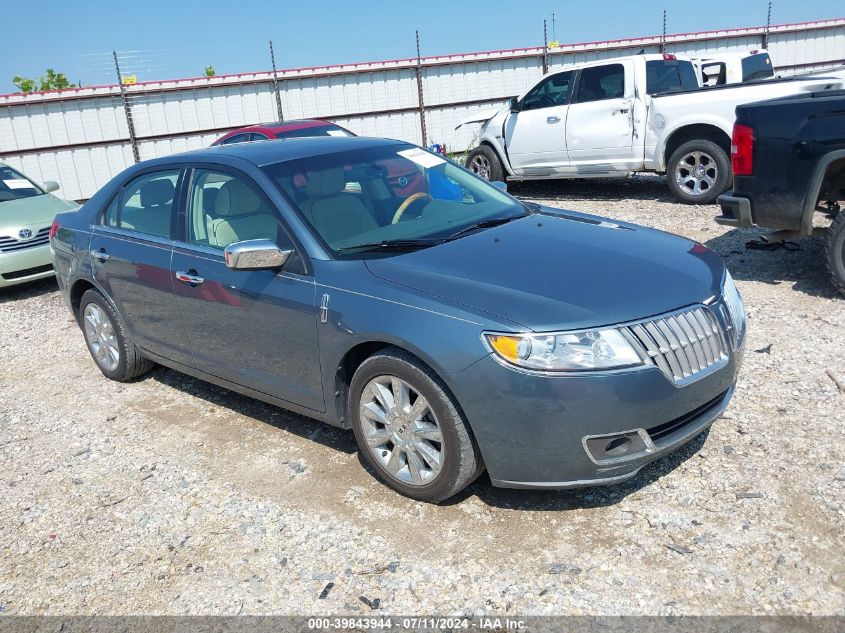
209, 71
49, 81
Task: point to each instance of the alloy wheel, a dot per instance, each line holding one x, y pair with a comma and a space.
696, 173
401, 430
99, 332
480, 165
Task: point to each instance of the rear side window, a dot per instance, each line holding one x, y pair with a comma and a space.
237, 138
601, 82
757, 67
669, 75
145, 204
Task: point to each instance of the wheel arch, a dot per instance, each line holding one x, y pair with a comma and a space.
827, 164
692, 132
501, 154
79, 288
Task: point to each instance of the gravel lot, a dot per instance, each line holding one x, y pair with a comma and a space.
171, 496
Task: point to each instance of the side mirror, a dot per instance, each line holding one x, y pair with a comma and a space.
255, 255
515, 105
501, 186
50, 186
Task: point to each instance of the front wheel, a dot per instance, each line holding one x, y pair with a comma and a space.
409, 429
698, 172
836, 251
484, 162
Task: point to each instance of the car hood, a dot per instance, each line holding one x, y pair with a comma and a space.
559, 270
36, 212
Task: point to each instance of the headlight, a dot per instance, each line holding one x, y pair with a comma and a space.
736, 308
564, 351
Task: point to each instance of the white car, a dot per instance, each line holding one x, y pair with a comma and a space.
623, 115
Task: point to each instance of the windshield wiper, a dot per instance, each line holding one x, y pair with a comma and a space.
484, 224
386, 245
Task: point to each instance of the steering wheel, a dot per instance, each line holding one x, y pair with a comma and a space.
408, 202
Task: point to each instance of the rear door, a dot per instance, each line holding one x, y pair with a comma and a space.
131, 246
535, 136
599, 126
254, 328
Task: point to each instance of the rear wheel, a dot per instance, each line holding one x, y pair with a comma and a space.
107, 340
409, 429
836, 251
483, 162
698, 172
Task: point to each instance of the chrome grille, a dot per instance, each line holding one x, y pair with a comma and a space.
10, 244
682, 344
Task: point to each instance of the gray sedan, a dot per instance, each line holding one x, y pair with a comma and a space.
377, 287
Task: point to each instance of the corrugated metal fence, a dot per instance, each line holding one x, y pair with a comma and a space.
80, 137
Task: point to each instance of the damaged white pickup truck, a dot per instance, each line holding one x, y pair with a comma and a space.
643, 113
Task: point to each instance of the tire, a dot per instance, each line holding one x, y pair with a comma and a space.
112, 340
484, 163
399, 437
698, 172
836, 251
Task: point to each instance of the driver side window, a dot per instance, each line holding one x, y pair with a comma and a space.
552, 91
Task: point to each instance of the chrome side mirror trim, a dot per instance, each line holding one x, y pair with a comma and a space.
255, 255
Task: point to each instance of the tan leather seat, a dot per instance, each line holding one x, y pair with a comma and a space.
241, 215
336, 215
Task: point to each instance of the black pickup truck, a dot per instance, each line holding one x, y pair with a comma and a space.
788, 159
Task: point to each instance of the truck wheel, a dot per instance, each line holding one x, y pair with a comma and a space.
836, 251
483, 162
698, 172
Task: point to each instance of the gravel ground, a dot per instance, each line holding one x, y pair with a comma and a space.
170, 496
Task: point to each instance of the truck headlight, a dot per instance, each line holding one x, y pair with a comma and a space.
565, 351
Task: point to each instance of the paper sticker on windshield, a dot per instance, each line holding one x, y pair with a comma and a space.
18, 183
336, 133
421, 157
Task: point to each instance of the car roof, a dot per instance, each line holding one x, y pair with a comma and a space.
262, 153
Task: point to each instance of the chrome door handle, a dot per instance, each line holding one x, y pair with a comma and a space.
100, 255
620, 111
552, 119
188, 278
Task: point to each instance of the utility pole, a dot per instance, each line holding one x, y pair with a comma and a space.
768, 25
554, 26
127, 110
420, 93
663, 37
276, 83
545, 49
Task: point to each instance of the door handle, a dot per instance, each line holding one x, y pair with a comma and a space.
101, 255
189, 278
552, 119
620, 111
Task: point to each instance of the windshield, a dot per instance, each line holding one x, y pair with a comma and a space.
757, 67
14, 185
382, 194
322, 130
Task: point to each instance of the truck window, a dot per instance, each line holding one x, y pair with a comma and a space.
669, 75
714, 74
552, 91
755, 67
601, 82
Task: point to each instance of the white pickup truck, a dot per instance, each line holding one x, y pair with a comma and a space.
617, 116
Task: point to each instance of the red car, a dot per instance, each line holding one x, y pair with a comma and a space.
283, 129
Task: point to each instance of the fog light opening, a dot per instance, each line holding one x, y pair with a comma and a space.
617, 446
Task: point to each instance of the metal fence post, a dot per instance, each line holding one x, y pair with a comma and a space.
276, 83
420, 93
127, 110
768, 26
663, 37
545, 49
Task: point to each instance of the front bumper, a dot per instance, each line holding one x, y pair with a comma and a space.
537, 431
26, 265
736, 211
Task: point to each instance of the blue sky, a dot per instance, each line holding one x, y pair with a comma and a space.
177, 38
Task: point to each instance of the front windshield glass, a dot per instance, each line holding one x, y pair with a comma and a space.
363, 198
14, 185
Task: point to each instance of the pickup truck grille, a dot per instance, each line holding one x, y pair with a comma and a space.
682, 344
10, 244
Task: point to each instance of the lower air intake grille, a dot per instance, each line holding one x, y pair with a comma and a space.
682, 344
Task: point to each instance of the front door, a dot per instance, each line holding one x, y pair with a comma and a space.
254, 328
535, 136
131, 247
600, 128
